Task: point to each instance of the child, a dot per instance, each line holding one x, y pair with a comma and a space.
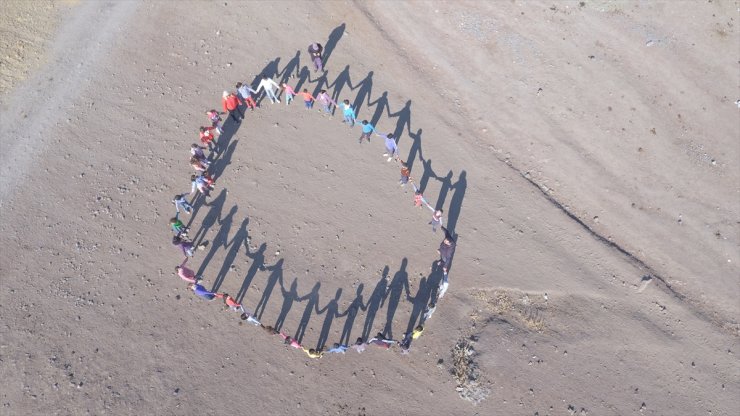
178, 227
360, 345
197, 151
269, 86
245, 92
231, 303
209, 180
215, 118
187, 248
349, 113
289, 93
198, 183
314, 353
446, 251
391, 148
308, 99
367, 130
436, 220
325, 101
231, 103
381, 341
337, 348
288, 340
429, 311
419, 198
198, 165
269, 329
249, 318
201, 291
181, 202
207, 138
405, 173
187, 274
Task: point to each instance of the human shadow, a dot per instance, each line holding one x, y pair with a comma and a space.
330, 311
303, 76
404, 120
415, 148
433, 280
443, 190
219, 240
419, 302
218, 166
258, 263
291, 67
312, 299
456, 201
381, 103
364, 89
351, 313
272, 280
289, 297
331, 43
340, 81
322, 83
398, 285
236, 243
214, 215
427, 173
376, 301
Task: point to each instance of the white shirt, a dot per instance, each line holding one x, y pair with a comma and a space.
266, 84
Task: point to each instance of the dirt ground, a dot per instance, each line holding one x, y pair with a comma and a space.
585, 154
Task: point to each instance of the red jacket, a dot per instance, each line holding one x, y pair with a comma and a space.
231, 102
207, 136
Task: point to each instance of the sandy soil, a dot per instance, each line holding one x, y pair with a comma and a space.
585, 154
25, 30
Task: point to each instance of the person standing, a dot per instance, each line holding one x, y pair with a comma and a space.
419, 198
359, 345
181, 202
187, 274
325, 101
197, 151
269, 86
405, 173
308, 99
391, 148
245, 92
337, 348
367, 130
446, 251
208, 138
202, 292
349, 113
178, 227
231, 104
187, 248
315, 50
289, 93
198, 165
436, 220
313, 353
215, 119
381, 341
245, 316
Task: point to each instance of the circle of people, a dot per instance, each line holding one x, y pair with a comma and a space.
202, 182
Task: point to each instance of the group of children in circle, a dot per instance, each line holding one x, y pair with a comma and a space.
203, 182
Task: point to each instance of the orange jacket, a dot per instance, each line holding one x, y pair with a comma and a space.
231, 102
